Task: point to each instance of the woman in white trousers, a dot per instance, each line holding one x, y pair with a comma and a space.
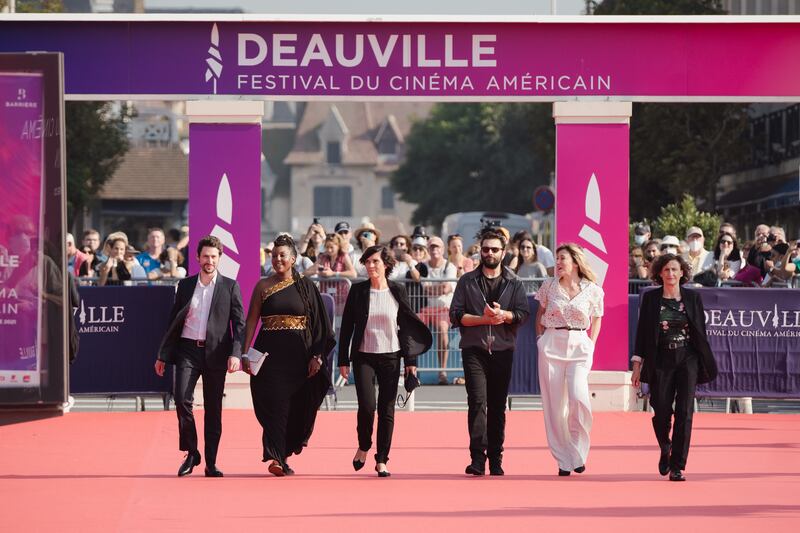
567, 326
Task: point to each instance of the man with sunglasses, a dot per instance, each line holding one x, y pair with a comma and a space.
488, 305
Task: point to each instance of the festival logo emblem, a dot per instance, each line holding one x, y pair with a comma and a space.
214, 59
227, 265
591, 235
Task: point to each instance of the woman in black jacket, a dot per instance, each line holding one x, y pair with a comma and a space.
379, 327
672, 354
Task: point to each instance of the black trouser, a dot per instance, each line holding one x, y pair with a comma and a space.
675, 381
191, 365
386, 367
487, 377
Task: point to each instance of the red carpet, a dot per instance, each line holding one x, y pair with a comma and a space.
116, 472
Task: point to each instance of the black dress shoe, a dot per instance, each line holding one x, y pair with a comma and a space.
663, 462
475, 469
676, 475
563, 473
382, 473
580, 470
192, 460
287, 469
496, 467
213, 471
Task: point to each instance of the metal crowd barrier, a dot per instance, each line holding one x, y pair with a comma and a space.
84, 281
444, 355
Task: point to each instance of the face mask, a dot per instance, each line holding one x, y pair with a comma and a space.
670, 250
695, 246
639, 239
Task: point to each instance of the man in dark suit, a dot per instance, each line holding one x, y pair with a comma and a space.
204, 339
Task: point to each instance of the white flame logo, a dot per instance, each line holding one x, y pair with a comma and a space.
775, 320
591, 235
227, 266
82, 316
214, 61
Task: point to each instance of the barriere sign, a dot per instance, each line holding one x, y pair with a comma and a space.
540, 59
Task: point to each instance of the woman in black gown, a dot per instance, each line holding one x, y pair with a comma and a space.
296, 334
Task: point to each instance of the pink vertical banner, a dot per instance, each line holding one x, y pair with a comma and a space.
592, 185
225, 197
21, 173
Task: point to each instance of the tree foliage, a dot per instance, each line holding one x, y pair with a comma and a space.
680, 148
96, 143
676, 219
657, 7
474, 157
36, 6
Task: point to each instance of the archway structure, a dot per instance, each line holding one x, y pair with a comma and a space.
592, 67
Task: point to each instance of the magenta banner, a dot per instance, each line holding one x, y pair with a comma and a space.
21, 147
592, 211
225, 197
720, 58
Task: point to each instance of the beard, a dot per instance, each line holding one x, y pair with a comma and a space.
490, 261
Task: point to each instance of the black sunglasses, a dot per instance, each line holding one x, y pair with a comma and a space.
492, 249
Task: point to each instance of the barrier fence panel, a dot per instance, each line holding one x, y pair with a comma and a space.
755, 337
120, 331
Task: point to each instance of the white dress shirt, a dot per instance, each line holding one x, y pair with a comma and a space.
197, 320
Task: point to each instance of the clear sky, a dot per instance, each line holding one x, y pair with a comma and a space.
373, 7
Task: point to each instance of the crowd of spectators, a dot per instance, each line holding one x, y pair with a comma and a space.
421, 260
768, 260
115, 261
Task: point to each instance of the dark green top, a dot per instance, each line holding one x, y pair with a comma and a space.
674, 324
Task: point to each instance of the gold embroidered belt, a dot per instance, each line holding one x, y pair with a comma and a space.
278, 322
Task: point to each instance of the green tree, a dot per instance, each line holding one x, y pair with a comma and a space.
96, 143
679, 148
36, 6
474, 157
676, 218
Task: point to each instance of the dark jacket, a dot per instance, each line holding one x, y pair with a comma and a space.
647, 332
468, 299
225, 330
414, 336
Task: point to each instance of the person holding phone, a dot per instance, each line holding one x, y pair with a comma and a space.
489, 304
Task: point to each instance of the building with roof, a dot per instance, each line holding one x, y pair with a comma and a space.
340, 164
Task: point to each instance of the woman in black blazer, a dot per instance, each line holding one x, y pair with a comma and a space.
672, 354
379, 327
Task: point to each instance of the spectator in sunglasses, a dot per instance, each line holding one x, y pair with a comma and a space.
727, 257
88, 268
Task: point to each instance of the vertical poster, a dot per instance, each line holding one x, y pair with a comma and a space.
21, 172
225, 197
592, 211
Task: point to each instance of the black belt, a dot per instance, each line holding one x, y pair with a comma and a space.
194, 342
673, 345
572, 329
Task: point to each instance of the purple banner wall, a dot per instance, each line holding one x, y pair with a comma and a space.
225, 197
755, 337
592, 211
438, 61
21, 147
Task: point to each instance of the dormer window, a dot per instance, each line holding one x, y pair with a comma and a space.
333, 153
387, 145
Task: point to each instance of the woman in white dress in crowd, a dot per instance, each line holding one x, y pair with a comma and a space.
567, 326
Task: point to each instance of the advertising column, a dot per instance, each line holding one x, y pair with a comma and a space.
21, 171
592, 195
